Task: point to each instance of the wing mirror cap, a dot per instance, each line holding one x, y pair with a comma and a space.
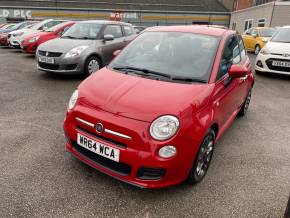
108, 37
237, 71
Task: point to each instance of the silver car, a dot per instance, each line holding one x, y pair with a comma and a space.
85, 47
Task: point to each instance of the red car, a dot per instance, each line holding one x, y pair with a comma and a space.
31, 42
151, 117
4, 39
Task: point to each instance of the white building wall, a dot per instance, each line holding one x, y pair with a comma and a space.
281, 15
255, 13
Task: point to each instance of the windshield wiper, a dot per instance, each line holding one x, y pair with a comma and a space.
144, 71
69, 37
187, 79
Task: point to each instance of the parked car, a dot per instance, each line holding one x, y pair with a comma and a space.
275, 56
84, 48
31, 42
256, 38
4, 36
16, 27
151, 118
16, 37
6, 27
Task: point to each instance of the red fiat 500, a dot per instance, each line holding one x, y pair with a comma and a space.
31, 42
151, 118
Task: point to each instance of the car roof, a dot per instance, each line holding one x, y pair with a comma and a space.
105, 22
199, 29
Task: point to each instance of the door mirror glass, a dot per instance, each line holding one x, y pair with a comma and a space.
108, 37
237, 71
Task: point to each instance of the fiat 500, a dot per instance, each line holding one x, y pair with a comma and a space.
151, 118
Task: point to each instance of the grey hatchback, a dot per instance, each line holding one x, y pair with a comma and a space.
85, 47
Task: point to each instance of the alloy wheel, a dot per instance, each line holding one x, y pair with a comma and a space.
93, 66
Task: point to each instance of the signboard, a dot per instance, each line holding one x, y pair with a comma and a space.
15, 13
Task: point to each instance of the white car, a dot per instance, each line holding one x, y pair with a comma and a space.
275, 56
16, 37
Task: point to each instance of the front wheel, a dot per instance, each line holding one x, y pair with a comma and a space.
203, 159
92, 65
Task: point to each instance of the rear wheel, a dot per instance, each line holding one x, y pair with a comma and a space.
92, 65
245, 107
257, 49
203, 159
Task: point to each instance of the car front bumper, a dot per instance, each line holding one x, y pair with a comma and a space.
62, 65
263, 64
140, 152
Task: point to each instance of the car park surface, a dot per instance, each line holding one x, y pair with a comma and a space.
249, 177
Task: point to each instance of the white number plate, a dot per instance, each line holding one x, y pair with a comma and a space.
281, 64
99, 148
47, 60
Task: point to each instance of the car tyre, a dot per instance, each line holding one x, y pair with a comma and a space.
203, 158
92, 65
257, 49
244, 109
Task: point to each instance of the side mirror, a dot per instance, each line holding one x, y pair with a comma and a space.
116, 53
237, 71
108, 37
44, 28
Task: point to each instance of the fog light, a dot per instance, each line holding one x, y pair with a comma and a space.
167, 151
259, 64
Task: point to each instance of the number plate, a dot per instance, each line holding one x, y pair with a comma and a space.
281, 64
47, 60
99, 148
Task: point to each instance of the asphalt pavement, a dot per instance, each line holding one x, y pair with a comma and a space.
249, 175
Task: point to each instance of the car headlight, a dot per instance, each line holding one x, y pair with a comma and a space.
265, 40
76, 51
18, 34
164, 127
265, 51
167, 151
73, 100
34, 39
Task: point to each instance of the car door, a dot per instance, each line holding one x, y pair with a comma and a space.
109, 47
226, 98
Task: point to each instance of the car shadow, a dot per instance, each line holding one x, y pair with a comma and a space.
274, 76
54, 76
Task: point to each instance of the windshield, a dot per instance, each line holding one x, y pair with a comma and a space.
172, 54
267, 32
55, 28
282, 35
83, 31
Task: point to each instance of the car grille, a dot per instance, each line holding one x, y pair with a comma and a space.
117, 167
49, 54
105, 139
277, 68
48, 66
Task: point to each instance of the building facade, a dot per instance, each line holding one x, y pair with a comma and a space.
137, 12
272, 14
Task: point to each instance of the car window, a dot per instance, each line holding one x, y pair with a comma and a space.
174, 54
231, 55
254, 32
249, 32
242, 48
114, 30
128, 30
83, 31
